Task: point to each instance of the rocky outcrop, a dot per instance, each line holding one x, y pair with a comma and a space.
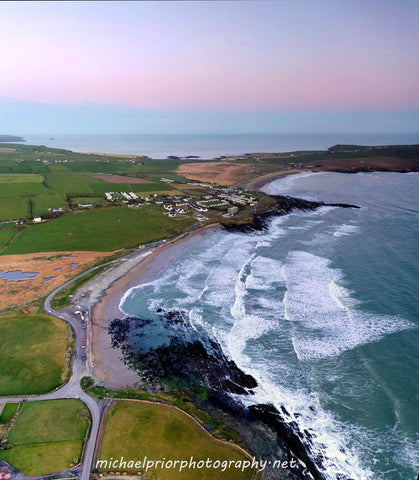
283, 206
167, 349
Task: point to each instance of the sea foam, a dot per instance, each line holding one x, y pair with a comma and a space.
328, 320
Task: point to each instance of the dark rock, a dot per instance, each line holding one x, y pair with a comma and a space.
284, 205
269, 414
168, 347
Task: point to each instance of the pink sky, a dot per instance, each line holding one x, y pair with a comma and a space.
213, 55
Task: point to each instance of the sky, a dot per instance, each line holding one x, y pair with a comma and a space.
276, 66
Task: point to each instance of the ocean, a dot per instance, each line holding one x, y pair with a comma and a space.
321, 309
212, 146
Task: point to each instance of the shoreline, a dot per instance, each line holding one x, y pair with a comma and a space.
110, 370
105, 293
259, 182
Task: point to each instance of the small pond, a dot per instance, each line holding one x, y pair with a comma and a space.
17, 275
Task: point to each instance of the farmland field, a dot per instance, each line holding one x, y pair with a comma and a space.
102, 167
102, 187
13, 208
100, 230
48, 436
34, 361
6, 235
8, 411
16, 178
41, 203
135, 429
98, 201
68, 179
70, 183
12, 190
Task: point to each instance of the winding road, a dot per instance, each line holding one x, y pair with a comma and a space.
72, 388
80, 366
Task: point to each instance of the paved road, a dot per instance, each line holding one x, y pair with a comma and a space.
72, 388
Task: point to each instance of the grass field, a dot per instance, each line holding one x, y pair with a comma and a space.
41, 203
101, 230
98, 201
35, 178
34, 361
135, 429
102, 187
16, 178
70, 183
12, 190
13, 208
103, 166
8, 411
48, 436
6, 235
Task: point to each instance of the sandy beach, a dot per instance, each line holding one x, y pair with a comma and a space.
105, 293
106, 290
258, 182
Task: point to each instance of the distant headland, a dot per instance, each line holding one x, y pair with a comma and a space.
11, 138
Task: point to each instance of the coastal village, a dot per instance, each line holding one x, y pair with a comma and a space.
218, 200
227, 200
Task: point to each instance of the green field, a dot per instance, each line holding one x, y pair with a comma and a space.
35, 178
33, 357
11, 190
13, 208
103, 166
101, 188
135, 429
16, 178
101, 230
98, 201
70, 183
41, 203
48, 436
6, 235
8, 412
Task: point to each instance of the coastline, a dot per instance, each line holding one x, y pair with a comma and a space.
264, 430
259, 182
145, 267
106, 291
105, 294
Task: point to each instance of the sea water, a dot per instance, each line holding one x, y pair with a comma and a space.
212, 145
322, 310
